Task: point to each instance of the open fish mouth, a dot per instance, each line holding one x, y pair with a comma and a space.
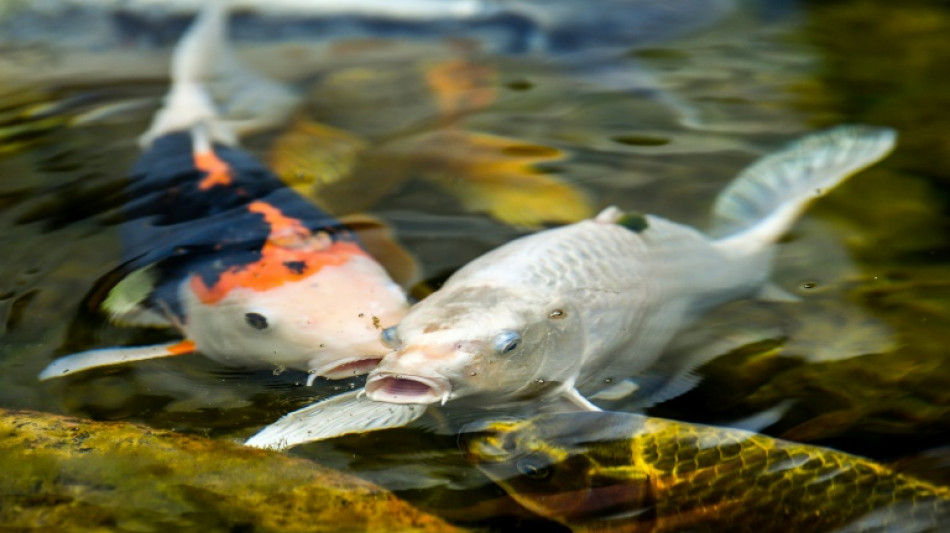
355, 366
401, 388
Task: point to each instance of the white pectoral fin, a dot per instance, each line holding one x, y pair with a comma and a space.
669, 387
78, 362
571, 400
346, 413
618, 391
771, 292
125, 303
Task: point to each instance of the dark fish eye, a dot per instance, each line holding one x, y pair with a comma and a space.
390, 337
507, 342
256, 320
533, 468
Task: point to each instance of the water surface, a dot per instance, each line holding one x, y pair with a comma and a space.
655, 122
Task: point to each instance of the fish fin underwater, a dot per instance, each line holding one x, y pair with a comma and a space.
343, 414
752, 213
760, 204
125, 302
756, 209
215, 245
352, 412
211, 87
78, 362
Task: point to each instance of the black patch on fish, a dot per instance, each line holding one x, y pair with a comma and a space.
634, 222
297, 267
170, 221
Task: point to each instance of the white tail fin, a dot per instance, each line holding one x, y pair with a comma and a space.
188, 102
763, 202
210, 87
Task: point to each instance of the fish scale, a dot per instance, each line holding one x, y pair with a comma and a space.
676, 476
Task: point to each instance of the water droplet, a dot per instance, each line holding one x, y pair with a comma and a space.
609, 380
540, 382
556, 314
809, 284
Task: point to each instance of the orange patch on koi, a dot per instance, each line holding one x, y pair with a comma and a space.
182, 348
219, 173
291, 253
284, 230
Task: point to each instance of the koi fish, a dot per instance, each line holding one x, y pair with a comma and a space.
624, 472
217, 246
583, 312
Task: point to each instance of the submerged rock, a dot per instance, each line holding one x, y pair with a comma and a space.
67, 474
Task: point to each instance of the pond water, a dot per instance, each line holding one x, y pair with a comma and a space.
655, 118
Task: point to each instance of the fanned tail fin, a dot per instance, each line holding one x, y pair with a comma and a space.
213, 89
765, 199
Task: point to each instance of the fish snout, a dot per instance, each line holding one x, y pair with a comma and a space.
345, 360
394, 387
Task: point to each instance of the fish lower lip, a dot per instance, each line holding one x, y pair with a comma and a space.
348, 368
400, 388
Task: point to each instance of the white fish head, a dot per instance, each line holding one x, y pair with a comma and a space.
327, 323
500, 343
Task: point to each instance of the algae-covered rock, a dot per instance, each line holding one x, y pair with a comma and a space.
66, 474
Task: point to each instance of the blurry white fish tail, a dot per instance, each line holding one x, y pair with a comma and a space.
764, 200
188, 102
212, 88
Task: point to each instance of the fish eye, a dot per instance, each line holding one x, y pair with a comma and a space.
390, 337
533, 467
256, 320
507, 342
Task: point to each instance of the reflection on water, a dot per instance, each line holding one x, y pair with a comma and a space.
658, 124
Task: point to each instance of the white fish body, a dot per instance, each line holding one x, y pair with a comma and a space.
306, 301
584, 310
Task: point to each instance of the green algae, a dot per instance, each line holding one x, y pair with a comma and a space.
66, 474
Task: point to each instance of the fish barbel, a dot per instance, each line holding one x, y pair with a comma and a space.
582, 313
625, 472
250, 272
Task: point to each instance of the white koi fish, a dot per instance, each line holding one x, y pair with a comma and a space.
583, 312
217, 246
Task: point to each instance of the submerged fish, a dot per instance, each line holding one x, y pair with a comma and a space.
624, 472
216, 245
585, 310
